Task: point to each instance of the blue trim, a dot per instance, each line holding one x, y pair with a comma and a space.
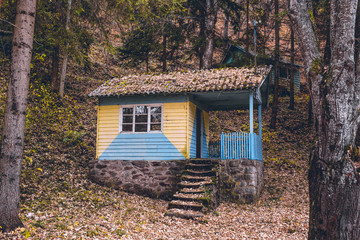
136, 99
251, 108
260, 127
148, 146
204, 148
193, 141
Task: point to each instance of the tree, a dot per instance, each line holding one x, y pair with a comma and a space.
211, 10
15, 113
65, 53
62, 32
334, 183
292, 80
277, 59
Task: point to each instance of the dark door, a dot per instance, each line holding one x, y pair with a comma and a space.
198, 133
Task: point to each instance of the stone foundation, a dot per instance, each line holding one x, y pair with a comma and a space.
151, 178
238, 180
241, 180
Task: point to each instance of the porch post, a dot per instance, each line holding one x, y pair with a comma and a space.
259, 111
251, 108
251, 137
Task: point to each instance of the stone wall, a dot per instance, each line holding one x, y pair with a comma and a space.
238, 180
241, 180
151, 178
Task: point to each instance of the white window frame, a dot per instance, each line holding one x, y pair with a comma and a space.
148, 118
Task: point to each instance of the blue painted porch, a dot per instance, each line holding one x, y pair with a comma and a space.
239, 145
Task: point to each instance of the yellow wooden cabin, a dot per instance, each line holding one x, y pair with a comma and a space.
165, 117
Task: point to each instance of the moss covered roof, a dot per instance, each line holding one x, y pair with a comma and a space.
183, 82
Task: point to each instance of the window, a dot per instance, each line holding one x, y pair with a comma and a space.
283, 73
141, 118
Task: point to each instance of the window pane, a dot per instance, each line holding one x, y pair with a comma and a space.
127, 119
141, 109
155, 110
140, 127
127, 110
141, 118
283, 73
156, 118
127, 127
155, 127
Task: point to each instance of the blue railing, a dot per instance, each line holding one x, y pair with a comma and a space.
214, 149
238, 145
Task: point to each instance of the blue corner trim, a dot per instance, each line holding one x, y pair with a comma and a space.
147, 146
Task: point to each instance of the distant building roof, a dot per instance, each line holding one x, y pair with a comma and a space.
268, 59
225, 79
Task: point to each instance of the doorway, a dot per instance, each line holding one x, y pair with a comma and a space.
199, 128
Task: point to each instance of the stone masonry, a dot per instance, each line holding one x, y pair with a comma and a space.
151, 178
238, 180
241, 180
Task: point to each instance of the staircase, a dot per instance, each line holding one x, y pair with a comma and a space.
197, 191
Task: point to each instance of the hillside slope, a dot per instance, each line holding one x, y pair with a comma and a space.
59, 201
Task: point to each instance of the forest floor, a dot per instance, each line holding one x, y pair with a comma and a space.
58, 201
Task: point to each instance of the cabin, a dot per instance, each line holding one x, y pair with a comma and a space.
236, 56
149, 126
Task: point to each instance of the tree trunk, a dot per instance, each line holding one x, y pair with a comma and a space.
55, 81
164, 55
226, 26
292, 80
277, 58
334, 183
211, 10
66, 55
247, 45
202, 37
15, 113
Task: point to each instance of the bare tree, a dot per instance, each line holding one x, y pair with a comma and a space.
292, 80
211, 10
15, 113
275, 105
334, 183
65, 53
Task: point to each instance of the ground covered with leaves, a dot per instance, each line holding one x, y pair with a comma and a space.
58, 201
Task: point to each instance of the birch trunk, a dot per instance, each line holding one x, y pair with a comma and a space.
334, 183
15, 113
66, 55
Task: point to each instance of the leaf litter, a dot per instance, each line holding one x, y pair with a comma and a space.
58, 201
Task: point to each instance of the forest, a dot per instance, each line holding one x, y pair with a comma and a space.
53, 54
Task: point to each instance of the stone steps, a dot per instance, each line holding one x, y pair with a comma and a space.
188, 196
181, 213
188, 205
192, 190
195, 166
193, 184
195, 189
196, 178
201, 173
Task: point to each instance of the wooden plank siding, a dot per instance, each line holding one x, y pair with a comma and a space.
174, 126
173, 143
107, 127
